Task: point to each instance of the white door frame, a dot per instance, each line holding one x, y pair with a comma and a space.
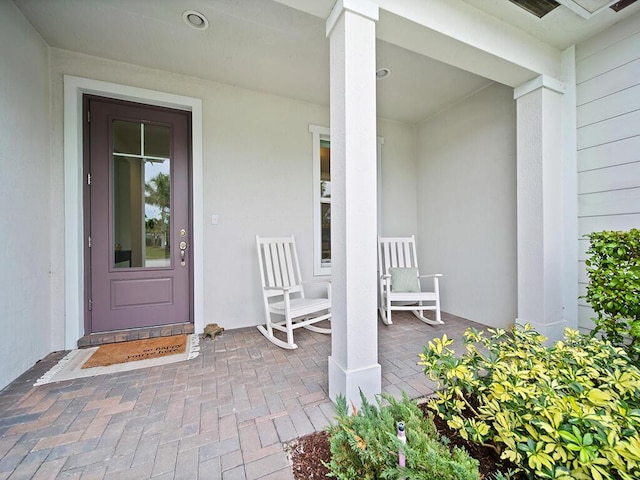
74, 88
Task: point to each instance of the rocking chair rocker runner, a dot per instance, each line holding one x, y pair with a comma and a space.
400, 287
283, 292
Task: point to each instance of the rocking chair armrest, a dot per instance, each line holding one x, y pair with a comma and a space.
431, 275
385, 283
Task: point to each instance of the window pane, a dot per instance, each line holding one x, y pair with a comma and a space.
128, 199
322, 200
156, 140
325, 169
157, 186
141, 196
326, 232
126, 137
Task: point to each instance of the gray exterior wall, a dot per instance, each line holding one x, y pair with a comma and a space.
467, 206
25, 196
608, 121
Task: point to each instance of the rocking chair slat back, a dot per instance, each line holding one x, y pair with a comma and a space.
397, 252
278, 267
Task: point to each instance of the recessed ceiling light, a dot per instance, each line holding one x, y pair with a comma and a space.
382, 73
195, 20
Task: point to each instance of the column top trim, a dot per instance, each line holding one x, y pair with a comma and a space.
541, 81
365, 8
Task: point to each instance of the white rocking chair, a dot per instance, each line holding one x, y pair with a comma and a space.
400, 286
283, 292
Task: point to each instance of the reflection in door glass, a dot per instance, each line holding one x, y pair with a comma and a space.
141, 195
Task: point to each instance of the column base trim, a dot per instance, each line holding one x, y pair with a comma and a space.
554, 331
349, 383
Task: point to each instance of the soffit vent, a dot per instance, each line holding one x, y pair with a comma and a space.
537, 7
622, 4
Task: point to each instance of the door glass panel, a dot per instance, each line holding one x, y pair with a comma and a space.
141, 196
156, 141
126, 137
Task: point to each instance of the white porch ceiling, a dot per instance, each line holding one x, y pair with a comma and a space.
267, 46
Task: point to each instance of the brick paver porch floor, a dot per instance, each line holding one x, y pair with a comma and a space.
223, 415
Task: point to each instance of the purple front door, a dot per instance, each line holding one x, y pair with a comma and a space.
138, 216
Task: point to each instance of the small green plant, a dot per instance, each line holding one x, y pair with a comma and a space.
364, 444
613, 266
504, 476
571, 411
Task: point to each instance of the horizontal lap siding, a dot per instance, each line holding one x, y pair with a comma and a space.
609, 154
608, 118
624, 176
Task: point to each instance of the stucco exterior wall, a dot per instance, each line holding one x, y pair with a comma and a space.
25, 221
467, 205
257, 176
608, 115
399, 205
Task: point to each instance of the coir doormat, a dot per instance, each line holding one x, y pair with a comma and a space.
136, 350
73, 365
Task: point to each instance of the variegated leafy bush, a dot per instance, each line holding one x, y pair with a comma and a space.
570, 411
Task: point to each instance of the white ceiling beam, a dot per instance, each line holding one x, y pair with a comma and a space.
461, 35
457, 34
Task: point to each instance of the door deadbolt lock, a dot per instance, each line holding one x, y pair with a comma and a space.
183, 233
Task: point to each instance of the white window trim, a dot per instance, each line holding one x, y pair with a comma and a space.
324, 133
318, 133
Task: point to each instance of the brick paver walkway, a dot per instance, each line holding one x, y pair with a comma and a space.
224, 415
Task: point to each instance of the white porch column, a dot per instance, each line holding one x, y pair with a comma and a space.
353, 364
540, 205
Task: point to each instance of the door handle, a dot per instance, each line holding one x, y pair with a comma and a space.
183, 247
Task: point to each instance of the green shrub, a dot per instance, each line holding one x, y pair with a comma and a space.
613, 266
571, 411
364, 445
